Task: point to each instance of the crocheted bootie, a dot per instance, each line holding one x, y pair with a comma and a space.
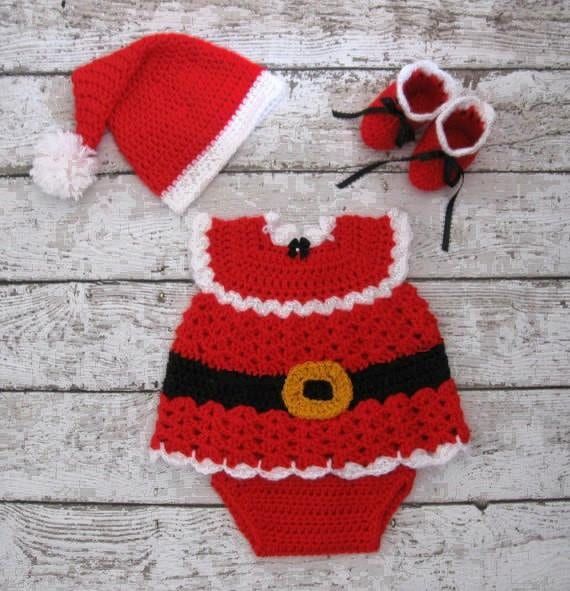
419, 93
447, 148
451, 143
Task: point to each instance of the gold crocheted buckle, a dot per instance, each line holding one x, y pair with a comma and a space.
299, 405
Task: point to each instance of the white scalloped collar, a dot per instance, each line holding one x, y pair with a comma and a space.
205, 277
282, 234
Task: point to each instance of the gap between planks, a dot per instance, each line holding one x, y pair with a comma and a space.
482, 505
393, 69
414, 278
312, 171
154, 390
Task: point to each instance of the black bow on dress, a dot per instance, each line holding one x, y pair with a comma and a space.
299, 246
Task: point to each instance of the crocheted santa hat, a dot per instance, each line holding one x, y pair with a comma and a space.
177, 106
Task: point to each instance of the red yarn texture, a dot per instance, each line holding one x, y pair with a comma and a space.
383, 331
379, 130
425, 93
275, 438
463, 128
326, 516
164, 98
244, 259
223, 402
358, 257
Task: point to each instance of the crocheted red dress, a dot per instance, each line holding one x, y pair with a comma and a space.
309, 378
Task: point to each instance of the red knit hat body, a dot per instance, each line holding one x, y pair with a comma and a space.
308, 370
459, 132
416, 97
178, 108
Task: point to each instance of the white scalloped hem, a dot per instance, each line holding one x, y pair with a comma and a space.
205, 277
262, 97
419, 458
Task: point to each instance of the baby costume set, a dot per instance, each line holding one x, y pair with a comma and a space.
308, 377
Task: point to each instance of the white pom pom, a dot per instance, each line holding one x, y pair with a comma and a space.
64, 166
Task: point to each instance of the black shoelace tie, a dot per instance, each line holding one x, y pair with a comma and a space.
299, 246
406, 132
453, 175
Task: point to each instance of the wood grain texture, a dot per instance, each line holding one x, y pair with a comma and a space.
83, 447
504, 224
116, 336
90, 294
438, 547
49, 37
532, 130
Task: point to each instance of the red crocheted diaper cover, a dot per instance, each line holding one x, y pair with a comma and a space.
309, 378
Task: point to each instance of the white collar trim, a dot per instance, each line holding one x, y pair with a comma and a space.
205, 277
282, 234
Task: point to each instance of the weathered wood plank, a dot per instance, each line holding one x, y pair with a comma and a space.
504, 224
54, 36
531, 133
116, 336
520, 547
79, 447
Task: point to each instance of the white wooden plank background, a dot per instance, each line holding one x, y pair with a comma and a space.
532, 128
505, 225
102, 336
44, 37
68, 547
63, 447
90, 294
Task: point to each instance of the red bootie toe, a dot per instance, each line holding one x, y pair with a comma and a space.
379, 129
459, 132
417, 96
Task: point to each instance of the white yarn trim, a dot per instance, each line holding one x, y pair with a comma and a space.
63, 166
484, 110
419, 458
262, 97
282, 234
449, 84
205, 277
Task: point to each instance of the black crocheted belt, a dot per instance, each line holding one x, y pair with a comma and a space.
186, 377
